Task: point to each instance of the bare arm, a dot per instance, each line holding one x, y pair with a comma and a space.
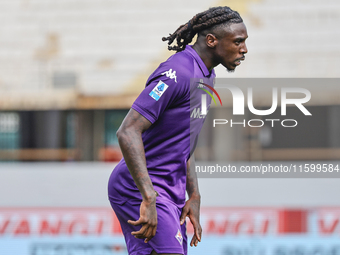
192, 183
131, 143
192, 206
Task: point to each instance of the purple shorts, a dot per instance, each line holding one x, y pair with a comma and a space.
170, 235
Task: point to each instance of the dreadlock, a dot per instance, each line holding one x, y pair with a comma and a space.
200, 22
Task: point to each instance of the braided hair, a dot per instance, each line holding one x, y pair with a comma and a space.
200, 23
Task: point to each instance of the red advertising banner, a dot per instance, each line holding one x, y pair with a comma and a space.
252, 231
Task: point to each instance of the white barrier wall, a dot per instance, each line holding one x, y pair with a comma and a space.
85, 184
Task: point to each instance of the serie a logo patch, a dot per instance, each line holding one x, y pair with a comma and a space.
158, 90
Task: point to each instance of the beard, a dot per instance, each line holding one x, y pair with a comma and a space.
230, 70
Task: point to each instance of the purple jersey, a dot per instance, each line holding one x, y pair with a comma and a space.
167, 102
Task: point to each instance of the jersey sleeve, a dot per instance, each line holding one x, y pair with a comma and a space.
165, 87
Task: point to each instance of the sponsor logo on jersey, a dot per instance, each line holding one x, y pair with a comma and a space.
158, 90
179, 237
197, 114
171, 74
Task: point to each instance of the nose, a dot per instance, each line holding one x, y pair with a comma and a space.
244, 48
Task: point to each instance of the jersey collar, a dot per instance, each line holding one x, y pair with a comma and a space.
200, 62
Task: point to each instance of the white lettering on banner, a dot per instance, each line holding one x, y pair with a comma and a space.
100, 222
46, 222
171, 74
238, 221
42, 222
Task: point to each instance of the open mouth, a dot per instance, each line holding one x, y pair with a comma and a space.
238, 61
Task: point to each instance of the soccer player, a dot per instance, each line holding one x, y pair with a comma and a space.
158, 135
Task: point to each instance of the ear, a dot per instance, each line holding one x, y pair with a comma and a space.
211, 40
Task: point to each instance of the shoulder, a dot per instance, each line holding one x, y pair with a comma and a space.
178, 68
182, 63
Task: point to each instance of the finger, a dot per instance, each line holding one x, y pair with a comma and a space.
184, 214
152, 234
198, 233
193, 240
154, 231
136, 223
140, 233
149, 235
197, 228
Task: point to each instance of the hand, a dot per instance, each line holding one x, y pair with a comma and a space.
192, 210
148, 220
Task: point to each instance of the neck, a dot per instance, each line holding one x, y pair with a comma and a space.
205, 55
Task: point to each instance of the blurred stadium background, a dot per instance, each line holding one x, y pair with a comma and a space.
70, 70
